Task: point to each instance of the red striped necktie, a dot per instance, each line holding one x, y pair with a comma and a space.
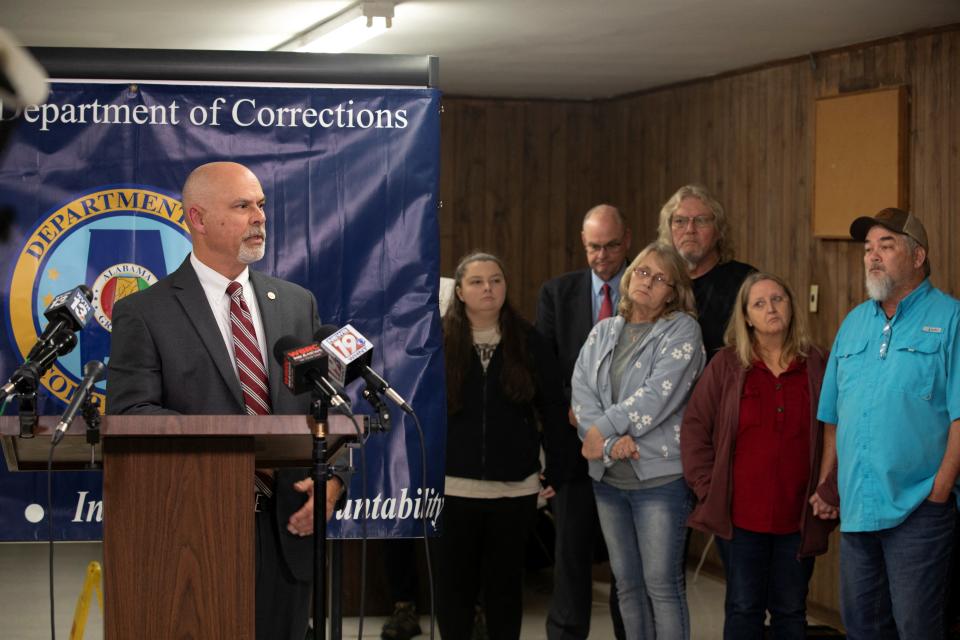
246, 350
606, 307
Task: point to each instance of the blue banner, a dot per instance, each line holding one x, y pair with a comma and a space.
351, 177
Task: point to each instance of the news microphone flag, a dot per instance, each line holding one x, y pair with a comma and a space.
349, 352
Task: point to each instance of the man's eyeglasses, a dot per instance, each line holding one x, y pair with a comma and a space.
681, 222
658, 278
593, 248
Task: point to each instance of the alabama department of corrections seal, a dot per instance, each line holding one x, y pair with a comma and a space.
118, 281
117, 240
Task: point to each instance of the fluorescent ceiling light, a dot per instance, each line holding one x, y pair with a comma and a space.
357, 23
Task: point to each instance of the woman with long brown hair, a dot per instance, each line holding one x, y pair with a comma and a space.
501, 379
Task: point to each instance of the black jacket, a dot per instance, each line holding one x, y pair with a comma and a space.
564, 318
494, 438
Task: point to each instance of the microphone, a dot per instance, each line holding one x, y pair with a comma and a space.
69, 311
305, 369
350, 357
93, 372
29, 373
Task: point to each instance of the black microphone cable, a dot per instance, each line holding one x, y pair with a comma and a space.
423, 518
363, 523
53, 617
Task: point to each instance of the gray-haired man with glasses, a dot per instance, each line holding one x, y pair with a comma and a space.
695, 224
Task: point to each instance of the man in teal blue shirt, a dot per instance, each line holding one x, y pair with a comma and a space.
891, 404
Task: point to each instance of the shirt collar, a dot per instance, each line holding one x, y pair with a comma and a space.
212, 280
796, 364
904, 305
614, 282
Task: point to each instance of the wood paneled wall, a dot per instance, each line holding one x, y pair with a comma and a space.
517, 176
514, 175
750, 138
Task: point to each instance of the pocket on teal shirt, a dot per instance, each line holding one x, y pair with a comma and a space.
851, 358
917, 362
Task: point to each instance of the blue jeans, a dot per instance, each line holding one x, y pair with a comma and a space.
892, 581
578, 533
645, 531
764, 574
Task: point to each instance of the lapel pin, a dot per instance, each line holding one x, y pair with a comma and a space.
271, 295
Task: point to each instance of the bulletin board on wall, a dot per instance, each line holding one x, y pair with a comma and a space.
861, 157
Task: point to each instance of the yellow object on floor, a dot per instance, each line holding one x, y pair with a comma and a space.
91, 584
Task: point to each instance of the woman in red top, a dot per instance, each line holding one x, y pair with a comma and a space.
750, 444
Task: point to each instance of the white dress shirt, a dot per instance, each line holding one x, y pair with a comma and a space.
215, 287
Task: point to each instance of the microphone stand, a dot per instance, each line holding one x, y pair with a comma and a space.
91, 415
336, 584
27, 407
321, 472
381, 412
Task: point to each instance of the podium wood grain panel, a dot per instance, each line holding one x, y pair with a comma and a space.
178, 552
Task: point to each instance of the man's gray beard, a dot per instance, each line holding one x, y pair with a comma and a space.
692, 259
249, 255
879, 287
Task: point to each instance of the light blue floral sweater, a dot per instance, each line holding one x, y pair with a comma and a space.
653, 392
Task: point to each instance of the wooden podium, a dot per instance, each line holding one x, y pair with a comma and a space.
178, 529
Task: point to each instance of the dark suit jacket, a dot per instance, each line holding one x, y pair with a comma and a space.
565, 317
167, 355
